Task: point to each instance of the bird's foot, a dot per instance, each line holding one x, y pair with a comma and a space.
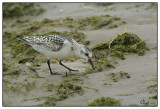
72, 70
55, 73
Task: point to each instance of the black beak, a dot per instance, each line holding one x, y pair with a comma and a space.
90, 61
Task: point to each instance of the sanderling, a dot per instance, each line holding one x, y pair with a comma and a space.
58, 47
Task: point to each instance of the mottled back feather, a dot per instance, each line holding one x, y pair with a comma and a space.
51, 42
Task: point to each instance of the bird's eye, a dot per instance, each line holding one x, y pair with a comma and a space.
86, 54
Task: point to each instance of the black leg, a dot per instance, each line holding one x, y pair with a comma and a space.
60, 62
48, 62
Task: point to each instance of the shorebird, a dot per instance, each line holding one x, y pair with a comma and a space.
58, 47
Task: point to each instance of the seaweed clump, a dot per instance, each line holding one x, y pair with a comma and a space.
104, 101
128, 43
68, 86
11, 10
117, 47
122, 43
117, 76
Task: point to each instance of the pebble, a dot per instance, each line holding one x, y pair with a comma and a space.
28, 64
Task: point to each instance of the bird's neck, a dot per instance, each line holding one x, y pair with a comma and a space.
78, 50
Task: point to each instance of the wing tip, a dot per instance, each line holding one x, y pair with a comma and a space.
19, 37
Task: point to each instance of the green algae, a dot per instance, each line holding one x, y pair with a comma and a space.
68, 86
23, 60
74, 79
18, 47
6, 82
104, 4
104, 101
46, 20
64, 89
99, 65
124, 74
50, 87
11, 70
20, 87
51, 100
103, 62
139, 5
113, 26
95, 90
100, 46
153, 97
96, 22
122, 44
11, 10
115, 77
90, 22
125, 94
29, 85
117, 54
152, 88
5, 67
128, 43
32, 69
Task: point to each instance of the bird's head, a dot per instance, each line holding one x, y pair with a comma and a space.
86, 53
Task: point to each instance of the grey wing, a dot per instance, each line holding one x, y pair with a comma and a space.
51, 42
52, 46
